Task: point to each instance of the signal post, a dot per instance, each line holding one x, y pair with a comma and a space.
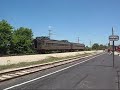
113, 38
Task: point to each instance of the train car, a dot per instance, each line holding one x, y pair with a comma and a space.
77, 47
45, 44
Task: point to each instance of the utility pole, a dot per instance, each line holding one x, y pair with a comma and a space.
90, 45
113, 46
50, 33
78, 40
109, 44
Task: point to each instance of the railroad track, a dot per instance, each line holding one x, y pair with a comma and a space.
31, 69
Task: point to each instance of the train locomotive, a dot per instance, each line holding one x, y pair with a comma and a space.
45, 45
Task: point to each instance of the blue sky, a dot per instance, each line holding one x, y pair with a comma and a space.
90, 20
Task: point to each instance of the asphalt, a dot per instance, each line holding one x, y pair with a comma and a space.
95, 74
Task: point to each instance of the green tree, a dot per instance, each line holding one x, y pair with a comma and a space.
95, 46
5, 37
22, 41
87, 48
101, 47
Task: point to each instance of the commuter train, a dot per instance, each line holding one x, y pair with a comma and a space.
45, 45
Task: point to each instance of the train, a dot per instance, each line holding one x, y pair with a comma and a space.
46, 45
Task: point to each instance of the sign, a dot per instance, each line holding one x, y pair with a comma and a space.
113, 37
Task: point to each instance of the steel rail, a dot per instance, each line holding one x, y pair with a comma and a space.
35, 68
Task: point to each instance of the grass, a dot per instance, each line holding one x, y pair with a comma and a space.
50, 59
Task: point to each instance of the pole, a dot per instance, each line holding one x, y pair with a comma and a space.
49, 33
78, 40
113, 53
90, 45
109, 45
113, 47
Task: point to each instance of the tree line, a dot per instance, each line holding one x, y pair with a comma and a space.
97, 46
15, 41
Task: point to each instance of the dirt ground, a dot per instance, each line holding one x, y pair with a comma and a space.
30, 58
